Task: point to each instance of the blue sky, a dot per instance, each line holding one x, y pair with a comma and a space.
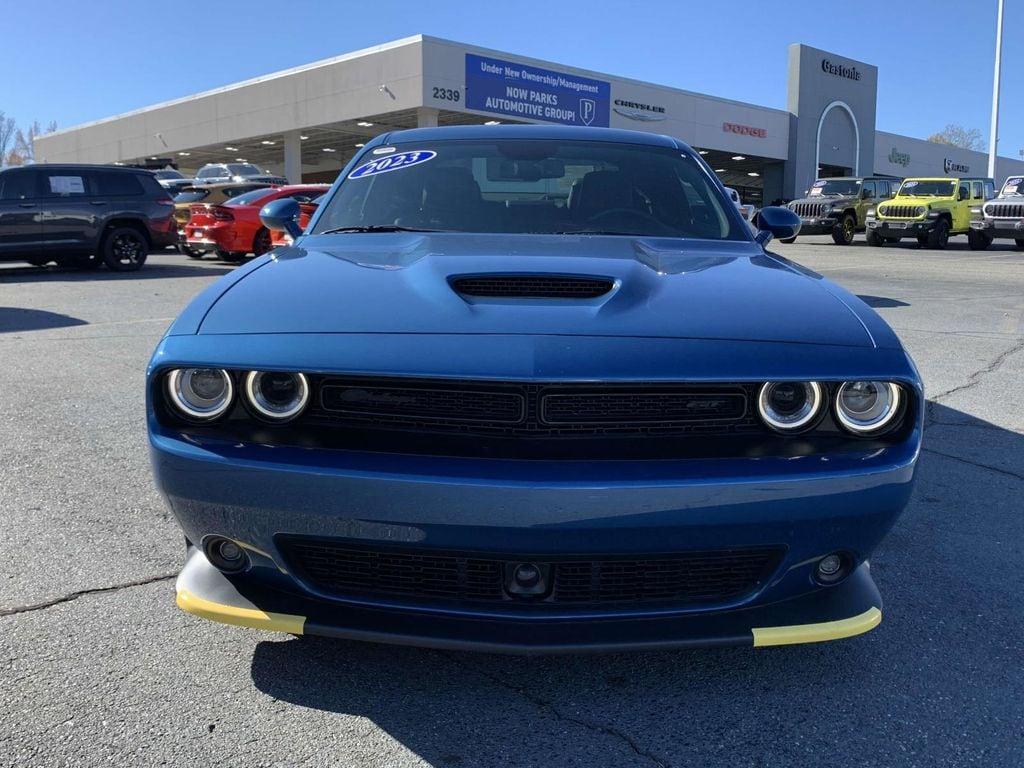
73, 62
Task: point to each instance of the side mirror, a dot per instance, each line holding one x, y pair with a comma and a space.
282, 215
775, 221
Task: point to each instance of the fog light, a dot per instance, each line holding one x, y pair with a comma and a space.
832, 568
225, 555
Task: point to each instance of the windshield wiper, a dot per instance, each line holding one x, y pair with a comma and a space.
377, 228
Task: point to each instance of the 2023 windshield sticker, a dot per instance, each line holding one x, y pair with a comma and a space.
397, 162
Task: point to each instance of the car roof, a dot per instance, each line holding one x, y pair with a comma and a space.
80, 167
540, 132
947, 178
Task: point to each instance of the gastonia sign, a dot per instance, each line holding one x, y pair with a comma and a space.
899, 158
840, 70
745, 130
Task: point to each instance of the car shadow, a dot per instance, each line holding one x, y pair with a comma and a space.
937, 662
14, 319
149, 271
879, 302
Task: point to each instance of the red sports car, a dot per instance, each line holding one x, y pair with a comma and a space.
306, 211
232, 229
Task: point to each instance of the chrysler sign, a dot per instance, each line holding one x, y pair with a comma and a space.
634, 110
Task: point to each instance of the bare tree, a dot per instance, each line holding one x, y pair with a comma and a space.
6, 134
957, 136
24, 151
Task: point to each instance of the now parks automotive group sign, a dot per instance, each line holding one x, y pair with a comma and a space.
527, 92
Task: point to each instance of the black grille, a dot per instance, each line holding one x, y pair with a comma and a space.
900, 211
1005, 210
532, 286
345, 570
536, 410
807, 210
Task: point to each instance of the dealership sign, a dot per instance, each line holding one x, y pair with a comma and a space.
745, 130
950, 166
839, 70
519, 90
634, 110
899, 158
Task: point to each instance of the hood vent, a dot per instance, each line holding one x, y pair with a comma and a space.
532, 286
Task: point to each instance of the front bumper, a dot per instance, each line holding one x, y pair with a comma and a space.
901, 228
1005, 228
537, 511
818, 225
848, 609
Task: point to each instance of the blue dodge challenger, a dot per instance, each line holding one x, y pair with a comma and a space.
532, 389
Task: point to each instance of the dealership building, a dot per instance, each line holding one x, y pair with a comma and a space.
307, 122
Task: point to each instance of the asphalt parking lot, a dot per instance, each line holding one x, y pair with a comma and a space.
97, 665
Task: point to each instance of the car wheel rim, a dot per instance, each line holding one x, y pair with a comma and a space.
848, 230
127, 249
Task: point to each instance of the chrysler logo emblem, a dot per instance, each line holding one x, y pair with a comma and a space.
645, 113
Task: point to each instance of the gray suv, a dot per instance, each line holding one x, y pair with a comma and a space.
1001, 217
83, 216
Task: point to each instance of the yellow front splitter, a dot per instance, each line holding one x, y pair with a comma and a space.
240, 617
817, 633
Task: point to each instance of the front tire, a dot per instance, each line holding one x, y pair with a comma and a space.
843, 232
978, 241
1019, 242
875, 240
938, 238
124, 249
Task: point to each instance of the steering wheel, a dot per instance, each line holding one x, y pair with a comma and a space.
629, 212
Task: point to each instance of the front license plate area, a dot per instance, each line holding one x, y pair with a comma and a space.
898, 224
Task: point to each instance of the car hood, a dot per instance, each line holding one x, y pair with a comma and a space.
401, 283
925, 201
833, 201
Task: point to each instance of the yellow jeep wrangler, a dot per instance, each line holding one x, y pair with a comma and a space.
930, 210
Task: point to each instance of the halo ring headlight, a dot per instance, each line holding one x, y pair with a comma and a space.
277, 396
867, 406
787, 406
202, 394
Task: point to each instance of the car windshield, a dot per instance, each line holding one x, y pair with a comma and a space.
833, 187
248, 198
1013, 186
191, 195
168, 174
927, 189
532, 186
243, 169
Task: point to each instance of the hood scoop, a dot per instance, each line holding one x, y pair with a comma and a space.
531, 286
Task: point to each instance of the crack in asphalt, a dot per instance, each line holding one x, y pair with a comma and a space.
544, 704
978, 464
973, 380
83, 592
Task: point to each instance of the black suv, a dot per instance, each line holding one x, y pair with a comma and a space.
82, 215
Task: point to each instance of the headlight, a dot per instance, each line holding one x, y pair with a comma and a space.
883, 209
200, 393
920, 210
789, 405
276, 396
826, 209
867, 406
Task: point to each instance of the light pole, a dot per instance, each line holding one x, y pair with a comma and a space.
993, 135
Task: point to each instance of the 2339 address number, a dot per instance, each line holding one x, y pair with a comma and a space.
447, 94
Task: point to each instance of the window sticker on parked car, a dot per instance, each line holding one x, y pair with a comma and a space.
1013, 186
390, 163
909, 184
67, 185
